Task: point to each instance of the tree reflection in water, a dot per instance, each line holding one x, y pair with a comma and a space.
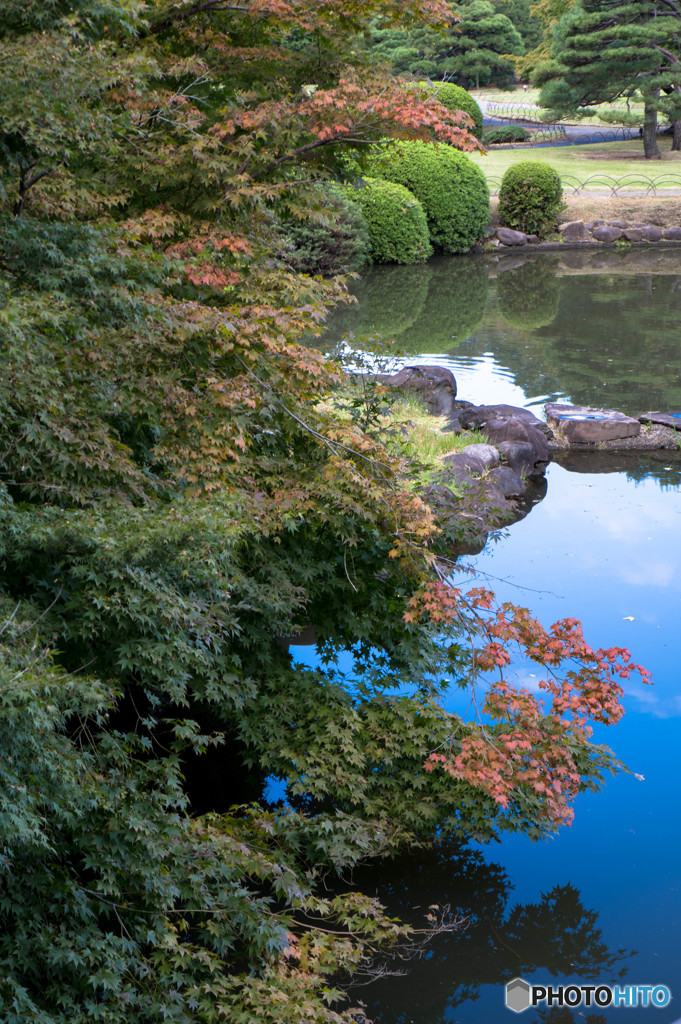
557, 934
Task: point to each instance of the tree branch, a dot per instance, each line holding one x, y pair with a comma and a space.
182, 13
26, 183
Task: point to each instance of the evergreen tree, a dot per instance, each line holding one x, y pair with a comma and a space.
603, 50
479, 52
473, 50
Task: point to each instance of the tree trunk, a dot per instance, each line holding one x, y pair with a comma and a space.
676, 144
650, 147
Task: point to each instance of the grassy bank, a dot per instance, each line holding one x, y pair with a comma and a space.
612, 159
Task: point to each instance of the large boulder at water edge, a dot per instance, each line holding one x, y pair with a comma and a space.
521, 457
584, 424
435, 385
478, 415
667, 419
506, 423
507, 482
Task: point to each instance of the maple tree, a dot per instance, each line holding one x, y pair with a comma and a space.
178, 496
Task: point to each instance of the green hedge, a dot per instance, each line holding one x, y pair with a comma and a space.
450, 186
505, 133
454, 97
396, 221
531, 197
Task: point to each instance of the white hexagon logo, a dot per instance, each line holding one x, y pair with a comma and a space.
518, 995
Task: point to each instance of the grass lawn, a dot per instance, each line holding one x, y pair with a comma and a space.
602, 160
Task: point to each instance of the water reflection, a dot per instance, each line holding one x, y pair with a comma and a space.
595, 329
604, 546
555, 934
429, 307
529, 294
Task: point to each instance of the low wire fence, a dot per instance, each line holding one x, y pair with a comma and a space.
527, 111
641, 184
558, 135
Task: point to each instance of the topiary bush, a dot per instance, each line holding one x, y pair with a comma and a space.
451, 188
505, 133
338, 244
396, 221
530, 198
454, 97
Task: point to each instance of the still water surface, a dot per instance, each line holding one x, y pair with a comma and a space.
601, 902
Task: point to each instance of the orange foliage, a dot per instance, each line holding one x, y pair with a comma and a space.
518, 743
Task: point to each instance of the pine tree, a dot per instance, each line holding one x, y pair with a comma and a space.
603, 50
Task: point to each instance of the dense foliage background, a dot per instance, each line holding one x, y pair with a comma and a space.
178, 496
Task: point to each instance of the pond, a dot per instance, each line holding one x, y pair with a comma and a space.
601, 902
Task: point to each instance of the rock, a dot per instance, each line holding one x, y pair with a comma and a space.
667, 419
487, 453
607, 233
501, 423
654, 438
489, 231
672, 234
597, 224
574, 231
478, 415
633, 234
509, 237
440, 498
511, 429
466, 465
521, 457
435, 385
638, 224
579, 423
619, 223
533, 239
507, 482
453, 426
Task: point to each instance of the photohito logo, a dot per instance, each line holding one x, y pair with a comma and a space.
520, 995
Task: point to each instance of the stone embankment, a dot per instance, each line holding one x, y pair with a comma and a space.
504, 477
593, 233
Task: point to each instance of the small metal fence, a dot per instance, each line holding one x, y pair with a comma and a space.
641, 184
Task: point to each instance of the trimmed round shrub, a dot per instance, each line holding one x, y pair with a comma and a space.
337, 245
454, 97
396, 221
505, 133
451, 188
530, 198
